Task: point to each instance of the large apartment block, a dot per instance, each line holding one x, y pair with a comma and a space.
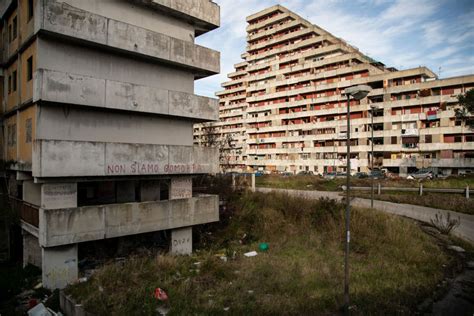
98, 106
285, 107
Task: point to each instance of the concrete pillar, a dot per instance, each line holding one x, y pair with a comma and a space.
379, 189
59, 265
31, 250
253, 182
467, 192
182, 241
421, 189
181, 238
181, 188
58, 195
403, 171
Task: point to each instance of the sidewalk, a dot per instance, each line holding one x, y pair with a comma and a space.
421, 213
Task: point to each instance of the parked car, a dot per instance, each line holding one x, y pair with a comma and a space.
377, 174
361, 175
259, 173
286, 173
305, 173
329, 175
341, 175
421, 175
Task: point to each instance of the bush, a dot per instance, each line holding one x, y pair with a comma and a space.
445, 225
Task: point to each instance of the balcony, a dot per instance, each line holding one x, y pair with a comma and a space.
60, 158
61, 87
410, 132
87, 223
63, 20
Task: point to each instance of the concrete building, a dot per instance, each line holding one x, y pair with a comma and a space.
285, 107
97, 120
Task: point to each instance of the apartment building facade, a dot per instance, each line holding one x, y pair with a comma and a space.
98, 106
285, 107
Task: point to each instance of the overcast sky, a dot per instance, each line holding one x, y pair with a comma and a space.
438, 34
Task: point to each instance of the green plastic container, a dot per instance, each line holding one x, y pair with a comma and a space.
263, 246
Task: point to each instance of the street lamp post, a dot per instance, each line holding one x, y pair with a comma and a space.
357, 93
372, 108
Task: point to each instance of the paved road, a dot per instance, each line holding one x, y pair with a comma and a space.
421, 213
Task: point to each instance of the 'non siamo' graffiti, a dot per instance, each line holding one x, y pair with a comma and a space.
151, 168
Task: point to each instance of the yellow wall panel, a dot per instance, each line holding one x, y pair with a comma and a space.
11, 94
26, 80
27, 19
11, 138
13, 44
26, 133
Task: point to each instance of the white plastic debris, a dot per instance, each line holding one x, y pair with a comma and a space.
250, 254
39, 310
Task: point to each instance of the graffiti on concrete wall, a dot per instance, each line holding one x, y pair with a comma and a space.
151, 168
181, 188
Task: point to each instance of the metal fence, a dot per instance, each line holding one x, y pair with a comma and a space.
421, 190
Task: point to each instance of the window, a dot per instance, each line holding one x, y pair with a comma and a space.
428, 139
10, 33
29, 69
29, 128
14, 81
15, 28
30, 9
9, 84
394, 140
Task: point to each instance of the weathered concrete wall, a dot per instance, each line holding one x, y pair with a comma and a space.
100, 126
65, 20
205, 11
59, 266
67, 226
58, 195
61, 87
32, 192
81, 60
140, 16
70, 158
31, 250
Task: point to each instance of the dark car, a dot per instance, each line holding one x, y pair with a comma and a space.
361, 175
377, 174
305, 173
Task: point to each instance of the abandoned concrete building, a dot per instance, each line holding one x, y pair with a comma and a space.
98, 108
284, 106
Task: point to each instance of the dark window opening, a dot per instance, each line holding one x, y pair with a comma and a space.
14, 81
29, 68
30, 9
428, 139
15, 28
394, 140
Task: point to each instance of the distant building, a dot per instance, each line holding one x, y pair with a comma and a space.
98, 108
284, 106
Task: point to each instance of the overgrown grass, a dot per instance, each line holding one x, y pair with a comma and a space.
393, 265
445, 201
321, 184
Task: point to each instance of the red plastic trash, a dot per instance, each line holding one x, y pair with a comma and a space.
160, 294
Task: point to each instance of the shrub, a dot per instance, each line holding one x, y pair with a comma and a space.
445, 225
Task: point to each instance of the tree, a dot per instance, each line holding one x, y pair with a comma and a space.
211, 137
466, 112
